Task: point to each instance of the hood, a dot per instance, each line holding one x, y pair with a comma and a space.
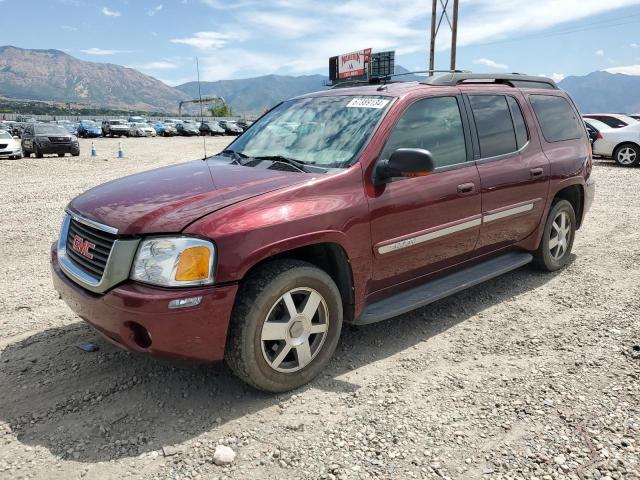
168, 199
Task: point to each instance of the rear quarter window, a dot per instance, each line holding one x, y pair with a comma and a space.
557, 118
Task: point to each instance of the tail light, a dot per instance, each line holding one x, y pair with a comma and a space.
599, 136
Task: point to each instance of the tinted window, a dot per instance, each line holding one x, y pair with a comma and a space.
494, 125
518, 122
433, 124
558, 120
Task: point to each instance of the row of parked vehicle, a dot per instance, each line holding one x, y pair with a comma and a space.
615, 136
135, 126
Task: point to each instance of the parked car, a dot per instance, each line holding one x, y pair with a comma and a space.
141, 130
231, 128
115, 128
635, 116
244, 124
42, 139
165, 129
25, 119
211, 127
620, 144
89, 129
10, 146
187, 129
613, 120
137, 119
259, 254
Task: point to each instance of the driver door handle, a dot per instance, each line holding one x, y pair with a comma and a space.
536, 172
466, 189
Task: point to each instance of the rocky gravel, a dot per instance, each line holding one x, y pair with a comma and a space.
529, 376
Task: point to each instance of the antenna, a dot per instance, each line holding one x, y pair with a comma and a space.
204, 141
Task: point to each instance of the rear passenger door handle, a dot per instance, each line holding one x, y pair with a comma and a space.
466, 189
536, 172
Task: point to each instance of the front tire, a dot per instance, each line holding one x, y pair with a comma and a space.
285, 326
555, 247
627, 155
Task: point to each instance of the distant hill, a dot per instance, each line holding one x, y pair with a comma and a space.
53, 75
256, 94
604, 92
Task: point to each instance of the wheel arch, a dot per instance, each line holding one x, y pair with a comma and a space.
574, 194
330, 257
622, 144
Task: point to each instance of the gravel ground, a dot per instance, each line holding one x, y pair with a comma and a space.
531, 375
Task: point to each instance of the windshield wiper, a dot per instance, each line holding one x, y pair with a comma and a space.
279, 158
239, 158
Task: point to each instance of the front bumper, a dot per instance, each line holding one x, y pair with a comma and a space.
48, 148
10, 153
136, 317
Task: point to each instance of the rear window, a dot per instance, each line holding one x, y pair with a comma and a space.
558, 120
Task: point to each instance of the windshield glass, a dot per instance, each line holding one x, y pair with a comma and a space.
5, 135
50, 130
89, 123
324, 131
118, 122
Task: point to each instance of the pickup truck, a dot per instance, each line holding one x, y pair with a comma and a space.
348, 205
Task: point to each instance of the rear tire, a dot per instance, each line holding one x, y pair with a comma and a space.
38, 153
555, 247
292, 349
627, 155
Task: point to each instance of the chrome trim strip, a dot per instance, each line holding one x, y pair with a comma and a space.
409, 242
507, 213
92, 223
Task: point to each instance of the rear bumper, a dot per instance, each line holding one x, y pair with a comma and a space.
137, 318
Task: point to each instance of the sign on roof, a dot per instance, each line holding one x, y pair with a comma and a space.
353, 64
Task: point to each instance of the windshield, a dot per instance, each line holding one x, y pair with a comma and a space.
5, 135
323, 131
117, 122
50, 130
140, 125
89, 123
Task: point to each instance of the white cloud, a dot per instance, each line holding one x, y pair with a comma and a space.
490, 63
99, 51
634, 45
109, 13
627, 70
159, 65
67, 27
599, 52
557, 77
204, 40
152, 11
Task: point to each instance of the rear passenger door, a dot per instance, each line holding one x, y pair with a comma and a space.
514, 171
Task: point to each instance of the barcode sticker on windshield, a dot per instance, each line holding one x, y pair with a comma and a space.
364, 102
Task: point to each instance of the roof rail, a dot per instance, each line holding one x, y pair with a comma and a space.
516, 80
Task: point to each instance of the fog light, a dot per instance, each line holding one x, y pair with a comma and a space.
185, 302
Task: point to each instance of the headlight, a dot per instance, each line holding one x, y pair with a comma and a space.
174, 262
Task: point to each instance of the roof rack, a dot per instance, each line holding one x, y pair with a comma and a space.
516, 80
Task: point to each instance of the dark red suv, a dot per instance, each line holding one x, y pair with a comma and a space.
348, 205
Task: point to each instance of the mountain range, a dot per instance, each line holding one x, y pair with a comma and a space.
53, 75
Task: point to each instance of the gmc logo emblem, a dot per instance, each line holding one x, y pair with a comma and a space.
83, 246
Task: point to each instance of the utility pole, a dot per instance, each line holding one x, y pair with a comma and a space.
435, 28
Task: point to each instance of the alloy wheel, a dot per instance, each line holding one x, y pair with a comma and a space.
295, 330
560, 235
627, 156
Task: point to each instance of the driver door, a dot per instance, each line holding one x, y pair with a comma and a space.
423, 224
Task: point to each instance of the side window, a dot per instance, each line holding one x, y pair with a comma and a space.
493, 122
558, 120
522, 136
433, 124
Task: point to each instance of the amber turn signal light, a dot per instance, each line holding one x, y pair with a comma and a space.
193, 264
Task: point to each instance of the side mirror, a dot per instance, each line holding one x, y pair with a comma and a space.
405, 162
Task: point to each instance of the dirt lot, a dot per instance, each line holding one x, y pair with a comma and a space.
528, 376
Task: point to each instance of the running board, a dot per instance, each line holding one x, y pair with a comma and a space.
442, 287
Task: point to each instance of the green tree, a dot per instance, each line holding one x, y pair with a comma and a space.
222, 110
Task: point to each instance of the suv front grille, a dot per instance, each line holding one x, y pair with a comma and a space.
95, 244
59, 139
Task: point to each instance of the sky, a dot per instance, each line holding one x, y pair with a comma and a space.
245, 38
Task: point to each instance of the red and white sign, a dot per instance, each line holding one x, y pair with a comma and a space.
353, 64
